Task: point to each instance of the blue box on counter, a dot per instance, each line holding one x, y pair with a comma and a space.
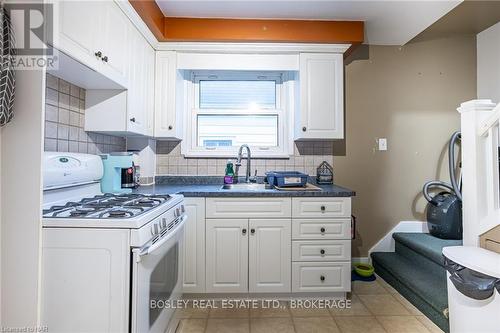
286, 178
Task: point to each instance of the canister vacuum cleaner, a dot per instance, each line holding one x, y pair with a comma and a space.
444, 210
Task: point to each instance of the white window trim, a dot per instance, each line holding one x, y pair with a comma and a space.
284, 111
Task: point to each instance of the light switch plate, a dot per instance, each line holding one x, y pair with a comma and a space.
382, 144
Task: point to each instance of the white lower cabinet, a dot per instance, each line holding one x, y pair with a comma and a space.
248, 255
269, 255
330, 250
227, 255
194, 246
321, 245
321, 277
231, 247
321, 228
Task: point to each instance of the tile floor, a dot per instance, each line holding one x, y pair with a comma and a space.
376, 307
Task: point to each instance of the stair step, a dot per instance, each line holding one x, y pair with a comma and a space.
425, 244
424, 288
418, 259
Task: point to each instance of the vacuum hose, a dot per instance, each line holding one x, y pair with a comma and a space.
454, 187
451, 163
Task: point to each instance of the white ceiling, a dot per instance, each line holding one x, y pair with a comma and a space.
386, 22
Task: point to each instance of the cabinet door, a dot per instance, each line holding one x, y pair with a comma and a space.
270, 255
136, 113
76, 31
150, 89
165, 81
85, 280
321, 96
113, 38
194, 246
227, 255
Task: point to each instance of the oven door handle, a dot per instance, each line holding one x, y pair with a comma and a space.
150, 248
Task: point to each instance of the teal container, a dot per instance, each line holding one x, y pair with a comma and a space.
113, 164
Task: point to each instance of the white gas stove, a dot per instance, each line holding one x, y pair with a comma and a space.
108, 255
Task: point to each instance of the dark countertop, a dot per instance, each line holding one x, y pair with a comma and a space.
211, 187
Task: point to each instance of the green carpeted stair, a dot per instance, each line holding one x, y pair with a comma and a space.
416, 271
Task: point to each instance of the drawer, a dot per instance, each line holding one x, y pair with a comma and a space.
321, 229
335, 250
321, 277
248, 207
321, 207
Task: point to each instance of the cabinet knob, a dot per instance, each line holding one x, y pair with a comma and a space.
244, 231
304, 129
323, 208
322, 278
132, 119
170, 127
105, 58
98, 54
322, 251
252, 231
322, 230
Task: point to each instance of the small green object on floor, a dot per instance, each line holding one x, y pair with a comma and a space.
363, 272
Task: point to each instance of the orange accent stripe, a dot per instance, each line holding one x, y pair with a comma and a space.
152, 15
246, 30
239, 30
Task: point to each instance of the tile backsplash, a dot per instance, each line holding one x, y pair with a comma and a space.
64, 122
306, 158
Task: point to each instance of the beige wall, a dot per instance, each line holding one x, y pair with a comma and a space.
409, 95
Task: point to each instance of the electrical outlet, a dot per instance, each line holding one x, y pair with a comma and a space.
382, 144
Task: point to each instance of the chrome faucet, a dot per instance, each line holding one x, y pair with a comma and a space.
248, 179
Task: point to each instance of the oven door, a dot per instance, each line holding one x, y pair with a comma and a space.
156, 280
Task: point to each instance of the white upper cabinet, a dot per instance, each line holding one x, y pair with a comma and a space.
123, 112
96, 35
167, 122
114, 38
321, 111
75, 36
140, 84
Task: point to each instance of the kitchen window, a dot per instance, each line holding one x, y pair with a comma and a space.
232, 108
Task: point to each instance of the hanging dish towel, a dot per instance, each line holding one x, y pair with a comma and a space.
7, 75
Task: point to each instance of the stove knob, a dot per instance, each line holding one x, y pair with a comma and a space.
164, 223
183, 210
155, 229
177, 212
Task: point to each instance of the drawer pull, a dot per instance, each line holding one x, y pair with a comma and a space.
323, 208
252, 231
322, 230
244, 231
322, 278
322, 252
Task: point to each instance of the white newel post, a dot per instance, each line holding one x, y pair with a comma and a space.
476, 162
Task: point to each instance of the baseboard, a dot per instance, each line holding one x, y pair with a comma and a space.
387, 244
360, 260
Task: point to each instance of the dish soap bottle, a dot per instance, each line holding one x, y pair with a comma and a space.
229, 177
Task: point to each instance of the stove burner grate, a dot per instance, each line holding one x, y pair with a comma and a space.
107, 206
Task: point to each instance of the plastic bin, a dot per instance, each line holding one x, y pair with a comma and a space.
286, 178
473, 289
